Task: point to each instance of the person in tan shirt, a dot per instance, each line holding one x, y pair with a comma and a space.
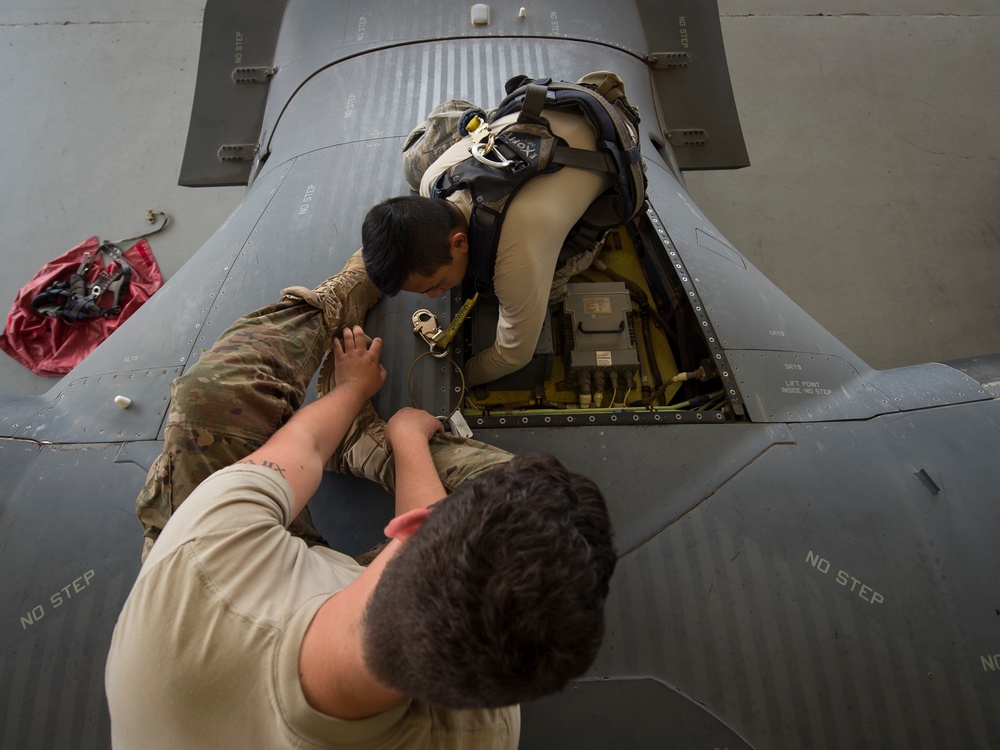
421, 244
239, 634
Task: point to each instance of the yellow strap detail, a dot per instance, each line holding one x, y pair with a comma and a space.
443, 342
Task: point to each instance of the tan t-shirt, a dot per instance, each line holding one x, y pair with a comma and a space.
205, 653
533, 232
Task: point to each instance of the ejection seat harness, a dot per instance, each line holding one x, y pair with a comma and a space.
71, 298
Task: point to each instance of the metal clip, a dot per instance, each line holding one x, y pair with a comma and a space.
84, 265
483, 144
425, 324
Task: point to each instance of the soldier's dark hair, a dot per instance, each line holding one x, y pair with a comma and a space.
405, 235
499, 597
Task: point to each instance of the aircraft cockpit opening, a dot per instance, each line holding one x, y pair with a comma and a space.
624, 344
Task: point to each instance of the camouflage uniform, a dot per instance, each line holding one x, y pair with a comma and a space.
247, 385
433, 137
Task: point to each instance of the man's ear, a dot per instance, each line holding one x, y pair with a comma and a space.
401, 527
459, 242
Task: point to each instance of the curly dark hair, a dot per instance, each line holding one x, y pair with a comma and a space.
499, 597
405, 235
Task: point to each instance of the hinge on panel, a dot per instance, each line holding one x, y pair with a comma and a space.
259, 74
669, 60
687, 137
237, 151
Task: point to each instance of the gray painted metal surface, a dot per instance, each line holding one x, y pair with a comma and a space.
236, 64
241, 59
812, 569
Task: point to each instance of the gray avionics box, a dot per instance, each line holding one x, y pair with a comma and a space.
598, 321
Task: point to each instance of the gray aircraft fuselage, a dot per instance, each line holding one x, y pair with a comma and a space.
810, 563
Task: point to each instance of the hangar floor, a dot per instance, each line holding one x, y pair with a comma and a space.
871, 200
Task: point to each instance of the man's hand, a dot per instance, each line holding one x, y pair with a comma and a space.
357, 365
410, 423
305, 442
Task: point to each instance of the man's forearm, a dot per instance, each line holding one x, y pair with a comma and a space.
329, 418
417, 482
301, 447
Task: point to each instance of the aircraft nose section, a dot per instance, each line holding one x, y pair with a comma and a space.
628, 711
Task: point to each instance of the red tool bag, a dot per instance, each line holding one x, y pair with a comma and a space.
80, 298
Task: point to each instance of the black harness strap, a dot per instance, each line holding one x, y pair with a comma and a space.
534, 100
581, 158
